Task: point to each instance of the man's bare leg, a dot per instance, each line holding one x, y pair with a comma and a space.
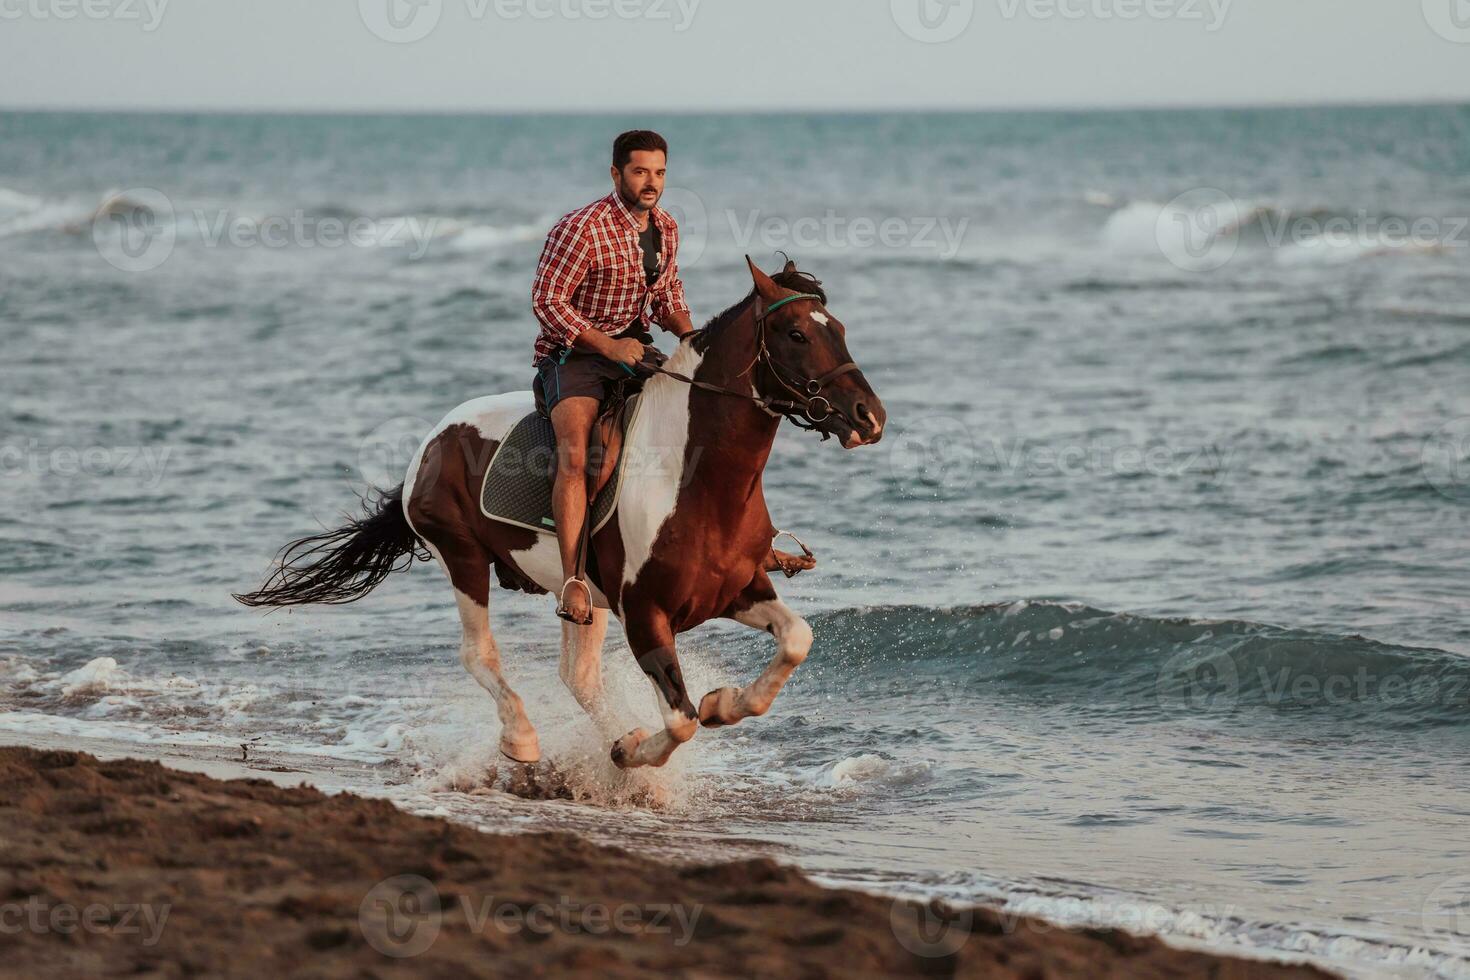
572, 418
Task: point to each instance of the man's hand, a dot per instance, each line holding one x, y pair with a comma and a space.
626, 351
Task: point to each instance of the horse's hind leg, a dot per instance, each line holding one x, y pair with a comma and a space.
469, 572
581, 667
793, 636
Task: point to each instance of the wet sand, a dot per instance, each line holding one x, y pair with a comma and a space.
132, 867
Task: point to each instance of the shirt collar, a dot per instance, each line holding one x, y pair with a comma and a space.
659, 215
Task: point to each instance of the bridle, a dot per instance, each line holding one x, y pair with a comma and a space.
808, 407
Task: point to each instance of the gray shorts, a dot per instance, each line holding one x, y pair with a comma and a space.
583, 374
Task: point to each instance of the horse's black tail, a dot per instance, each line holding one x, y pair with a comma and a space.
346, 564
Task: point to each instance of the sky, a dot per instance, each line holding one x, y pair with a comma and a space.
597, 55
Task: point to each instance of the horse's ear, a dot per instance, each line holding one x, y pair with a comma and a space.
764, 284
790, 267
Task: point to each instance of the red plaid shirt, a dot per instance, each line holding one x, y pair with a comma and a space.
591, 275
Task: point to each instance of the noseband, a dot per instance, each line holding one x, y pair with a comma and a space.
808, 407
809, 392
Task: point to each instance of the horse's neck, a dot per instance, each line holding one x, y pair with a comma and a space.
725, 439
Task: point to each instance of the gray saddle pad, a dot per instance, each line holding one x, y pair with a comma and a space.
517, 487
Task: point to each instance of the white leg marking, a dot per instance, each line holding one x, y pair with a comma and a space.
793, 639
480, 656
638, 748
581, 668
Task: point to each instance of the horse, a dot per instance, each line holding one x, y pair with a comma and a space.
685, 545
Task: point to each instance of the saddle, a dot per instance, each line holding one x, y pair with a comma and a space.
517, 485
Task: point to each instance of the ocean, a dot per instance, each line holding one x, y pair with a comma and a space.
1149, 610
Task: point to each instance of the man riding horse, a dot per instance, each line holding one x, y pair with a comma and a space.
607, 270
689, 540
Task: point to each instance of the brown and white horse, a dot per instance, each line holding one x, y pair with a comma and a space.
686, 544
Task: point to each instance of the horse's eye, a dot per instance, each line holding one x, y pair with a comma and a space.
797, 336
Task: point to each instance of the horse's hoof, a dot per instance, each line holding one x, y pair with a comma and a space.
624, 748
527, 751
717, 708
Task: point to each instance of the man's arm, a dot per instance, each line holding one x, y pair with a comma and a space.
667, 305
564, 263
678, 324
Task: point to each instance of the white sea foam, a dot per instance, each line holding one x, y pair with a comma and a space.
14, 202
97, 675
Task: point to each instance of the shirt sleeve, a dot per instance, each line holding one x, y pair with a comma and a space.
668, 297
564, 264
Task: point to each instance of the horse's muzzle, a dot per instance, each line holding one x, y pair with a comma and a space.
867, 411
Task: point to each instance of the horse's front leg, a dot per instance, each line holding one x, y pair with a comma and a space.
761, 609
653, 644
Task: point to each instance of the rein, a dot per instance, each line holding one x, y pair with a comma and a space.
809, 401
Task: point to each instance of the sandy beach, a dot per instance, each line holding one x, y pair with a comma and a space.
132, 867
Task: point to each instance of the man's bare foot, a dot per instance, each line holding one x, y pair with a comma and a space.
576, 602
787, 563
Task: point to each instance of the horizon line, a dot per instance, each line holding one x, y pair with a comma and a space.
1407, 103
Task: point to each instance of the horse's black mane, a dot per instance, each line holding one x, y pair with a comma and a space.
801, 282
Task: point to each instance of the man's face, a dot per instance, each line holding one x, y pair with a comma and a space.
641, 183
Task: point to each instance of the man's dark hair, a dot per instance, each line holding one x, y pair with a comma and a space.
636, 139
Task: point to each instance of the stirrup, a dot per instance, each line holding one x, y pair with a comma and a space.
561, 603
788, 572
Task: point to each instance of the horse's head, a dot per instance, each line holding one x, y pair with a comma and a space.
806, 360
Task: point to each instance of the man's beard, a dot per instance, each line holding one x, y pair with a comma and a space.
633, 200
